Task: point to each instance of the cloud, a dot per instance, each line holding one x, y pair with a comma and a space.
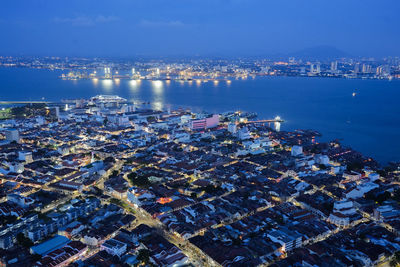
105, 19
151, 23
86, 21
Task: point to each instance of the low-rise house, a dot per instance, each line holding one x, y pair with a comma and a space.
114, 247
343, 213
64, 255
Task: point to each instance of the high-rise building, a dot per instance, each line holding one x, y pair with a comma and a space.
383, 70
334, 66
107, 73
315, 68
368, 69
357, 68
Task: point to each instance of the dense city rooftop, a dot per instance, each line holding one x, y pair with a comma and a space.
107, 182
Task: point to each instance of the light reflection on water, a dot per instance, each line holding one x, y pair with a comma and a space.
158, 87
95, 82
107, 84
134, 85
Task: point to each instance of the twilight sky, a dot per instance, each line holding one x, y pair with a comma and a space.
197, 27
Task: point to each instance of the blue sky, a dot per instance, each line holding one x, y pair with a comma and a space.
197, 27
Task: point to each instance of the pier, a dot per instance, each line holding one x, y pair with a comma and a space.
276, 119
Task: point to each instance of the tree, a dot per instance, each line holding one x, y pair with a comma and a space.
24, 241
144, 256
211, 188
396, 195
396, 259
7, 220
354, 166
132, 176
322, 167
36, 257
151, 119
236, 241
109, 160
279, 219
378, 196
140, 181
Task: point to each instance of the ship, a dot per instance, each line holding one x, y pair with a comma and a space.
107, 99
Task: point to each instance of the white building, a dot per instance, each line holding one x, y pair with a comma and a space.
114, 247
64, 150
315, 68
12, 135
128, 108
25, 156
120, 120
288, 241
40, 120
16, 167
296, 151
352, 176
185, 118
321, 159
342, 213
20, 200
373, 176
360, 190
232, 128
137, 195
244, 134
91, 240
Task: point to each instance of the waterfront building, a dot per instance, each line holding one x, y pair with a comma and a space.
206, 123
334, 65
107, 73
356, 68
366, 68
315, 68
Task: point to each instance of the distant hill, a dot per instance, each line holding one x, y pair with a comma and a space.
322, 52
